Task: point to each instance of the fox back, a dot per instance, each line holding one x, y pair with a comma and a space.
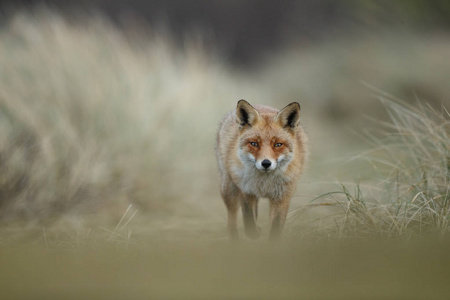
261, 152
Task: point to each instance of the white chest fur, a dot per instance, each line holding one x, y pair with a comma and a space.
261, 184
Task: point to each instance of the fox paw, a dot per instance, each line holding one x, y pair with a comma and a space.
253, 233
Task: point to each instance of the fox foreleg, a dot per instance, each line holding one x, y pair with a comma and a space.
249, 205
278, 213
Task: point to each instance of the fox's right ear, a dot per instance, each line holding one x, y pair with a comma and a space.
246, 114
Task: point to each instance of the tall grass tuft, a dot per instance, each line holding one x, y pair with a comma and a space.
410, 158
91, 117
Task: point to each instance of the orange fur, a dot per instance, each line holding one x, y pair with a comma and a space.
261, 152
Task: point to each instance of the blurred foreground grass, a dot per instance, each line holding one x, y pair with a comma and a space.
108, 182
222, 271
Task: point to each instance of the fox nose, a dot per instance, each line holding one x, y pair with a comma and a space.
266, 163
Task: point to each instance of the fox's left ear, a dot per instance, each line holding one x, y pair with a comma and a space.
289, 116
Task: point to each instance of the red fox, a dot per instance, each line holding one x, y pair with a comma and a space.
261, 152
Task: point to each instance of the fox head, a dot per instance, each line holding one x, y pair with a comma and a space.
267, 139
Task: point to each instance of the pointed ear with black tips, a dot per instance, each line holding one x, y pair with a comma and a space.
246, 114
289, 117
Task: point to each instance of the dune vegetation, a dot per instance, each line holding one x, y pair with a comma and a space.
107, 147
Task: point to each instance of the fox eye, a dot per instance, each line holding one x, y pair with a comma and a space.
254, 144
277, 145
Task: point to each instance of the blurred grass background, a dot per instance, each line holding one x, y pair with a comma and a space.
107, 167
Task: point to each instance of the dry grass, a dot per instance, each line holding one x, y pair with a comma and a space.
406, 193
107, 166
93, 120
90, 118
